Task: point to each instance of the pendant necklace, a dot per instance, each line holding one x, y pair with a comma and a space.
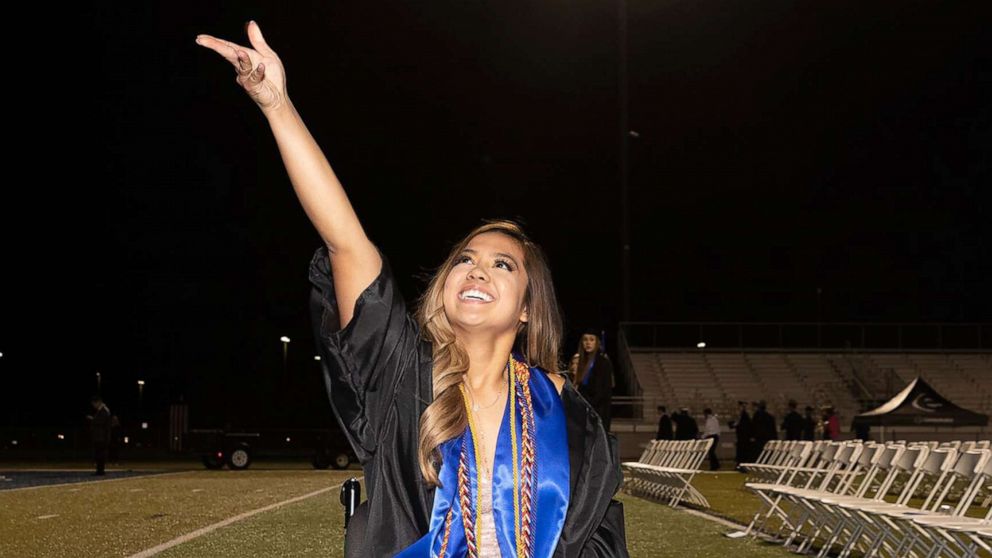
475, 405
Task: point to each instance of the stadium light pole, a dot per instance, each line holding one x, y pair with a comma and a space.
625, 134
285, 352
98, 385
819, 316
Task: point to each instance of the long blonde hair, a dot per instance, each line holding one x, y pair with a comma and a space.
538, 340
585, 358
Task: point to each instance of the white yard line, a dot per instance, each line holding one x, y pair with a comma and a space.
209, 528
94, 481
737, 527
713, 518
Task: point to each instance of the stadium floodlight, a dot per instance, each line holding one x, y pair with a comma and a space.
316, 357
701, 345
285, 353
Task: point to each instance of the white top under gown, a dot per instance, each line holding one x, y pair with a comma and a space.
488, 547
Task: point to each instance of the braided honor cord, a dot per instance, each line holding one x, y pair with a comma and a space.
524, 470
528, 464
469, 519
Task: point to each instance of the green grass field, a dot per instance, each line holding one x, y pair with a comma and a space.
125, 517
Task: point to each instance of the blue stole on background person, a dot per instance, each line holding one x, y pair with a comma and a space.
551, 486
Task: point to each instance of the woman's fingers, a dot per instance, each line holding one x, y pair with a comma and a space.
257, 40
249, 79
225, 48
251, 64
219, 46
244, 62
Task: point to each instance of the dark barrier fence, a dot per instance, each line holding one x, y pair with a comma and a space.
801, 336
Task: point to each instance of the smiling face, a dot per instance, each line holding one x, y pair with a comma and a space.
487, 285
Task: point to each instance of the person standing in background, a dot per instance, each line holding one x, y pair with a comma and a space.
685, 425
793, 423
764, 428
831, 425
100, 425
665, 431
595, 372
862, 430
711, 429
809, 425
742, 427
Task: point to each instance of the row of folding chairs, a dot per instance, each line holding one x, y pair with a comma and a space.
665, 470
894, 499
779, 455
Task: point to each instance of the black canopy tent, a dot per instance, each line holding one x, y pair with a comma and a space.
918, 404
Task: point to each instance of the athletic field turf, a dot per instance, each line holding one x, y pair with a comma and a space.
275, 510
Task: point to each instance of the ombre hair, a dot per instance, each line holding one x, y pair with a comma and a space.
538, 340
585, 358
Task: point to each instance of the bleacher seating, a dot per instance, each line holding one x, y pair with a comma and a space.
840, 379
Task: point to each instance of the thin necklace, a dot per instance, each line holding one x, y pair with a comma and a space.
475, 406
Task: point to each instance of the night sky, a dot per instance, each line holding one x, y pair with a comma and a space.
782, 147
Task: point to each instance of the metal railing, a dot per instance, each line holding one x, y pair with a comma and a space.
798, 336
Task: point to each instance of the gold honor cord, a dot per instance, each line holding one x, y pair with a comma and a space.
478, 464
511, 364
513, 443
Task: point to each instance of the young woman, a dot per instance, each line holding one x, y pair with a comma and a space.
471, 444
594, 375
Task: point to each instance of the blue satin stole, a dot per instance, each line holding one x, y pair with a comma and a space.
551, 483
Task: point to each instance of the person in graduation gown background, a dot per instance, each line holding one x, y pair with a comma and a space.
594, 374
465, 387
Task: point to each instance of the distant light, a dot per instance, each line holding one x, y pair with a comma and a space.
1, 355
61, 436
141, 382
220, 455
317, 357
287, 438
13, 442
126, 440
144, 426
701, 345
634, 134
176, 438
284, 339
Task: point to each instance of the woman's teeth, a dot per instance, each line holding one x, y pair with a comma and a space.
475, 294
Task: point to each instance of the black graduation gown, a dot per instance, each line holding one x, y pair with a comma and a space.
665, 431
377, 372
793, 425
599, 391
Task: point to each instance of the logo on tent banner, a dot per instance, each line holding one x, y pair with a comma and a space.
927, 403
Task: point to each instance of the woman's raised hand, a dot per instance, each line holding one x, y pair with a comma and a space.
259, 69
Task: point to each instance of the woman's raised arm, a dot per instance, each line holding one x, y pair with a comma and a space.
355, 261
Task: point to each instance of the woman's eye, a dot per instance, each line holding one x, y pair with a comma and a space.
506, 265
464, 259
